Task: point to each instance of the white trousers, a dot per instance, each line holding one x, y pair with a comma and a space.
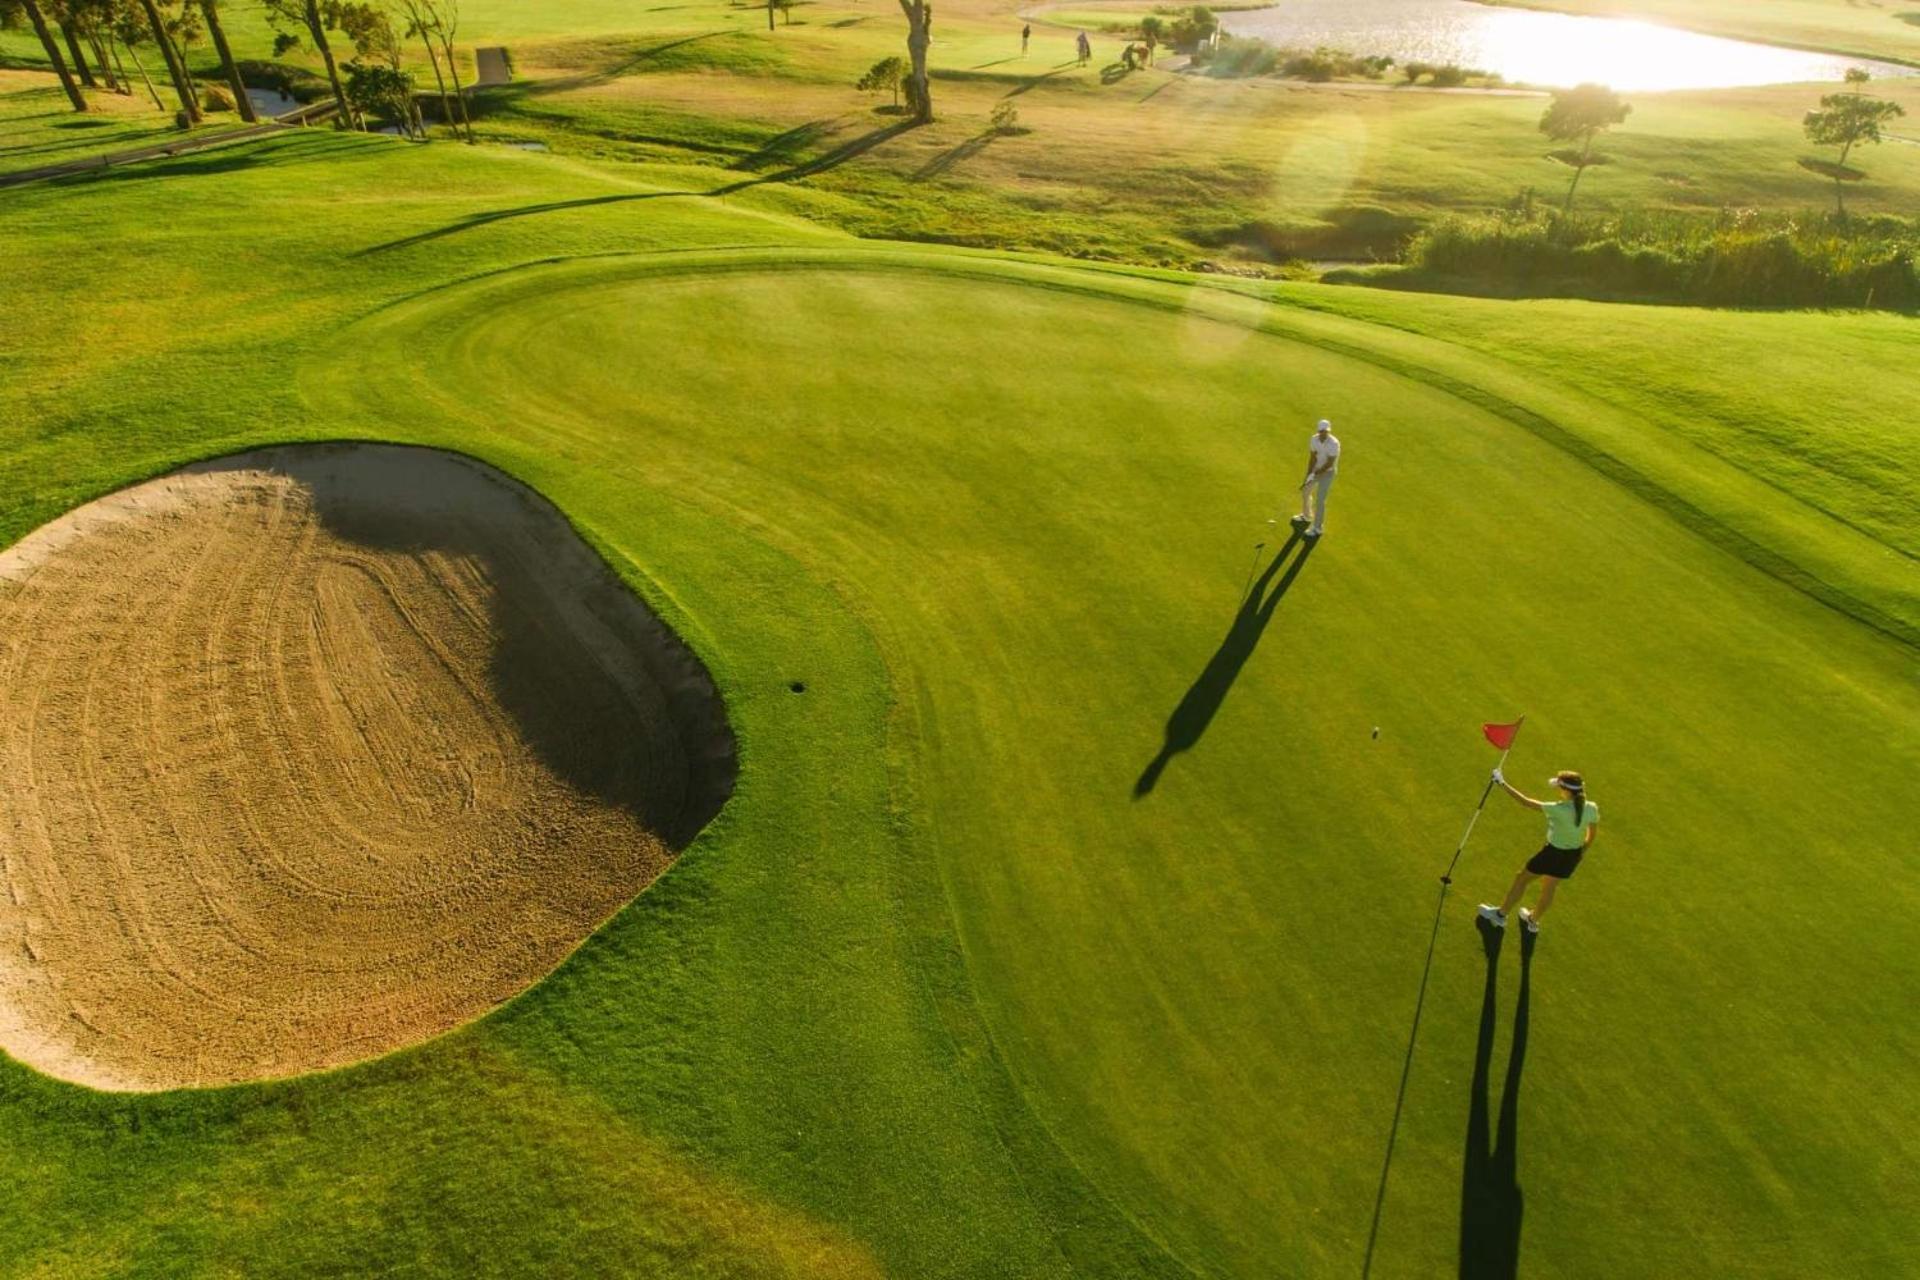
1313, 500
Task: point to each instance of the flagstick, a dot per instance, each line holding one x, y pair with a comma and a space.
1468, 834
1419, 1007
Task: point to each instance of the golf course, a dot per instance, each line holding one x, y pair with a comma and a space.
721, 685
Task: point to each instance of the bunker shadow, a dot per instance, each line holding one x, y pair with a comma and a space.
601, 690
1189, 721
1491, 1203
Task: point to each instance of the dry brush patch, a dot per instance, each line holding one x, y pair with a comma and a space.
309, 754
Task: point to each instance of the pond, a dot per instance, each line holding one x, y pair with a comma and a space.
1538, 48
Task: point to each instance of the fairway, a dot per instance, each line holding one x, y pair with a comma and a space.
734, 695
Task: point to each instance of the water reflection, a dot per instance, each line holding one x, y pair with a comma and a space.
1538, 48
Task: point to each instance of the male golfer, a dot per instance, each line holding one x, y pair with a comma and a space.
1323, 463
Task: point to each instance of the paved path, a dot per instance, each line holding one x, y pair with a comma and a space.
309, 114
490, 65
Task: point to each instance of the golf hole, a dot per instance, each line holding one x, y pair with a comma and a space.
798, 686
312, 753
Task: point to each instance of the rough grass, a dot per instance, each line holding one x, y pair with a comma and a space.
38, 127
998, 518
1146, 167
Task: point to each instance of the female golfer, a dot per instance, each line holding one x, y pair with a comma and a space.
1570, 823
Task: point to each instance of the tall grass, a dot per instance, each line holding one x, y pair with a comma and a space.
1737, 258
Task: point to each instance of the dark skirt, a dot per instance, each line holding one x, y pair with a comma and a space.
1558, 863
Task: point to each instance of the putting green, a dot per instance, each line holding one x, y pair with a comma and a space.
1040, 490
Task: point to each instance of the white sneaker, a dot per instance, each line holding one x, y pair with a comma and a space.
1492, 915
1526, 918
1316, 533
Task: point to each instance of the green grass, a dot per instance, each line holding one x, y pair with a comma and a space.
936, 995
38, 128
1150, 167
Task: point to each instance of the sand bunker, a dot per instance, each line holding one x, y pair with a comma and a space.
311, 753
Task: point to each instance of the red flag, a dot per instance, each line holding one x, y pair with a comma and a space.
1501, 735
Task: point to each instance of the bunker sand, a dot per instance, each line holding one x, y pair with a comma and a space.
309, 754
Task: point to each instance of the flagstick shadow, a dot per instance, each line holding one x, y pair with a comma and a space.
1406, 1072
1202, 701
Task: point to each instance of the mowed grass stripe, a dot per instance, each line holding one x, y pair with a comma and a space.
1194, 991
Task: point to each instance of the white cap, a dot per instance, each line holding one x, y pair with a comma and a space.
1325, 425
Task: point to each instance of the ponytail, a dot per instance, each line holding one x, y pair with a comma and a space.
1576, 787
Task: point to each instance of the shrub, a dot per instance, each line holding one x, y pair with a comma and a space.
1240, 56
1738, 258
1248, 56
1005, 117
1193, 28
1449, 76
1414, 70
1320, 65
888, 73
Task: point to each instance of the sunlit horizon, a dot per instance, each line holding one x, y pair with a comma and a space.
1548, 49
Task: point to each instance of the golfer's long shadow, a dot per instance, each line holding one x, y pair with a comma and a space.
1196, 710
1490, 1199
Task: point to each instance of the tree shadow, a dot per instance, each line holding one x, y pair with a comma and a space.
783, 148
1491, 1203
1190, 719
1029, 84
1828, 169
819, 164
954, 155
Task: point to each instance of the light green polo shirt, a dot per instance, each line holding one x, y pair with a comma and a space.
1562, 831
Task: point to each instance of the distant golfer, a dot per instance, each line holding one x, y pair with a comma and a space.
1570, 827
1026, 35
1323, 463
1084, 47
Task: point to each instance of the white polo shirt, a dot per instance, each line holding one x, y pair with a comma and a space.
1325, 452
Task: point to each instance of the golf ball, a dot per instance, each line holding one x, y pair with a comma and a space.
1376, 731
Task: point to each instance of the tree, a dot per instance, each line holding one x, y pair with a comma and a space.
385, 87
129, 28
1845, 120
71, 33
919, 39
87, 19
419, 26
884, 74
11, 11
210, 10
445, 15
306, 20
176, 65
1579, 115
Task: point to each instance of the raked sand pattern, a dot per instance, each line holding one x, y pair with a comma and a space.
312, 753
